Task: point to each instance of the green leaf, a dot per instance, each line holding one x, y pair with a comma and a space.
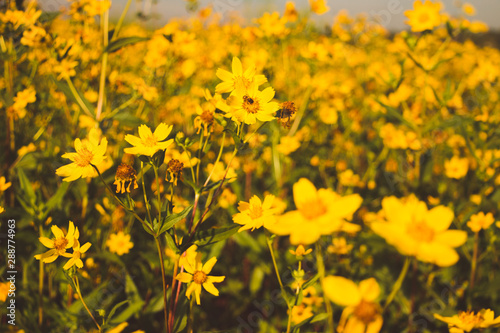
56, 199
26, 187
113, 310
211, 236
314, 319
310, 282
119, 43
170, 242
195, 187
172, 219
146, 228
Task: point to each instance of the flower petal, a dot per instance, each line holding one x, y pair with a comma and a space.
341, 291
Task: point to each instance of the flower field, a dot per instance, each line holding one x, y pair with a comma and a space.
274, 176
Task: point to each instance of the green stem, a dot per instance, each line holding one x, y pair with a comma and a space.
164, 282
120, 21
155, 169
473, 265
102, 81
218, 158
77, 287
144, 193
398, 283
77, 97
321, 272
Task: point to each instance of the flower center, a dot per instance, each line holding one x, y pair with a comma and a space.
421, 232
423, 17
255, 212
150, 141
366, 311
207, 117
60, 243
199, 277
84, 157
250, 105
313, 209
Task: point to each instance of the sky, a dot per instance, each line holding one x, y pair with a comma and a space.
389, 12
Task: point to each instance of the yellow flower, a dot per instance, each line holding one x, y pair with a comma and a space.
301, 312
238, 81
456, 167
416, 231
424, 16
361, 314
125, 174
319, 6
59, 244
469, 9
89, 153
480, 221
255, 213
300, 251
319, 212
148, 143
75, 257
467, 321
4, 290
290, 14
197, 274
251, 106
288, 144
3, 184
2, 209
119, 243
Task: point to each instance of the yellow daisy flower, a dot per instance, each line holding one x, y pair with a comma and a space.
424, 16
416, 231
3, 184
480, 221
319, 212
197, 274
238, 81
89, 153
319, 6
59, 244
362, 313
468, 321
252, 106
148, 143
75, 257
255, 213
119, 243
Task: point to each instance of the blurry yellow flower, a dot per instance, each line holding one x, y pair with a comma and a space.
456, 167
288, 144
119, 328
468, 321
238, 81
416, 231
227, 198
59, 244
255, 213
480, 221
219, 171
22, 99
148, 143
319, 6
362, 313
65, 69
197, 274
2, 209
424, 16
3, 184
89, 153
4, 290
300, 251
75, 257
469, 9
339, 246
301, 312
290, 14
119, 243
319, 212
477, 27
252, 106
26, 149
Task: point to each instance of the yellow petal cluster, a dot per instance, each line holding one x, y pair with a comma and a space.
255, 213
468, 321
148, 142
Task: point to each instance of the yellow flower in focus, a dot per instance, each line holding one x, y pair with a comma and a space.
424, 16
467, 321
3, 184
416, 231
119, 243
456, 167
362, 313
319, 212
290, 14
319, 6
148, 143
75, 257
251, 106
480, 221
468, 9
197, 274
238, 81
255, 213
89, 153
59, 244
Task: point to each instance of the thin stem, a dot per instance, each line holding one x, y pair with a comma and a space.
218, 158
144, 193
120, 21
77, 287
321, 272
398, 283
199, 157
164, 282
40, 288
473, 265
271, 250
155, 169
77, 97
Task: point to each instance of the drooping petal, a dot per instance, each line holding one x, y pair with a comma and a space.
215, 278
369, 289
209, 286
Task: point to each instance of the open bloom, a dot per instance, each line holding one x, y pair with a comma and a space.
362, 314
424, 16
250, 106
319, 6
59, 244
89, 152
148, 143
255, 213
119, 243
467, 321
238, 81
319, 212
75, 257
197, 274
480, 221
416, 231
